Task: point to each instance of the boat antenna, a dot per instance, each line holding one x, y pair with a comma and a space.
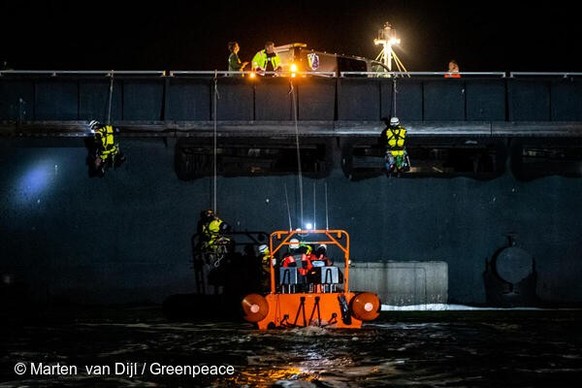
288, 210
326, 210
314, 214
215, 146
299, 174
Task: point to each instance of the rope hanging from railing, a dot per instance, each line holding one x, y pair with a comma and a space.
110, 99
215, 145
299, 173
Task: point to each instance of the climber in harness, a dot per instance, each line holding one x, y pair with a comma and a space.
214, 243
396, 158
106, 152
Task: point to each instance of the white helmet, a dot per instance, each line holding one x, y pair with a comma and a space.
394, 121
294, 243
263, 248
93, 124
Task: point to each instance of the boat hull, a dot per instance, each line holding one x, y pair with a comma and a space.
342, 310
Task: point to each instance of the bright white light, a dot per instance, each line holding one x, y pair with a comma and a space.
35, 181
309, 226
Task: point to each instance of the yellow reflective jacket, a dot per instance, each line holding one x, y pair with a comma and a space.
395, 139
211, 230
105, 141
261, 59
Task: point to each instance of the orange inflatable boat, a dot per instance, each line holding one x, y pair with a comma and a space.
309, 284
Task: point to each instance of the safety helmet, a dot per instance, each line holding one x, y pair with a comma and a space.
394, 121
93, 124
294, 243
263, 248
322, 247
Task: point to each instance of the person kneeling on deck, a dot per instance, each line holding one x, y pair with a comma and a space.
396, 158
107, 152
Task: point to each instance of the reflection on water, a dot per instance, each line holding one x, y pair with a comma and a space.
435, 348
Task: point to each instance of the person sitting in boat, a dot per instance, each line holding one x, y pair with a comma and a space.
299, 256
293, 256
288, 277
319, 258
306, 266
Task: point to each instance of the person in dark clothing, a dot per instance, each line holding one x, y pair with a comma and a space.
234, 62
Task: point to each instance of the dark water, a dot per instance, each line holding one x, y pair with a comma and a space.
129, 346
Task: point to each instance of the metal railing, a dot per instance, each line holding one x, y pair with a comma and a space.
224, 73
398, 74
106, 73
514, 74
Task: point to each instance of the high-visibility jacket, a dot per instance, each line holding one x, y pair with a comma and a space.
266, 259
395, 139
212, 228
211, 231
266, 262
104, 136
260, 61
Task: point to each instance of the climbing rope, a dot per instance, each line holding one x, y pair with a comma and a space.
110, 99
215, 146
394, 93
299, 174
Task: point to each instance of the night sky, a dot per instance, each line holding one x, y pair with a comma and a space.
193, 35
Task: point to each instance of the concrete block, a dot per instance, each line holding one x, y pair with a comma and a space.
402, 283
